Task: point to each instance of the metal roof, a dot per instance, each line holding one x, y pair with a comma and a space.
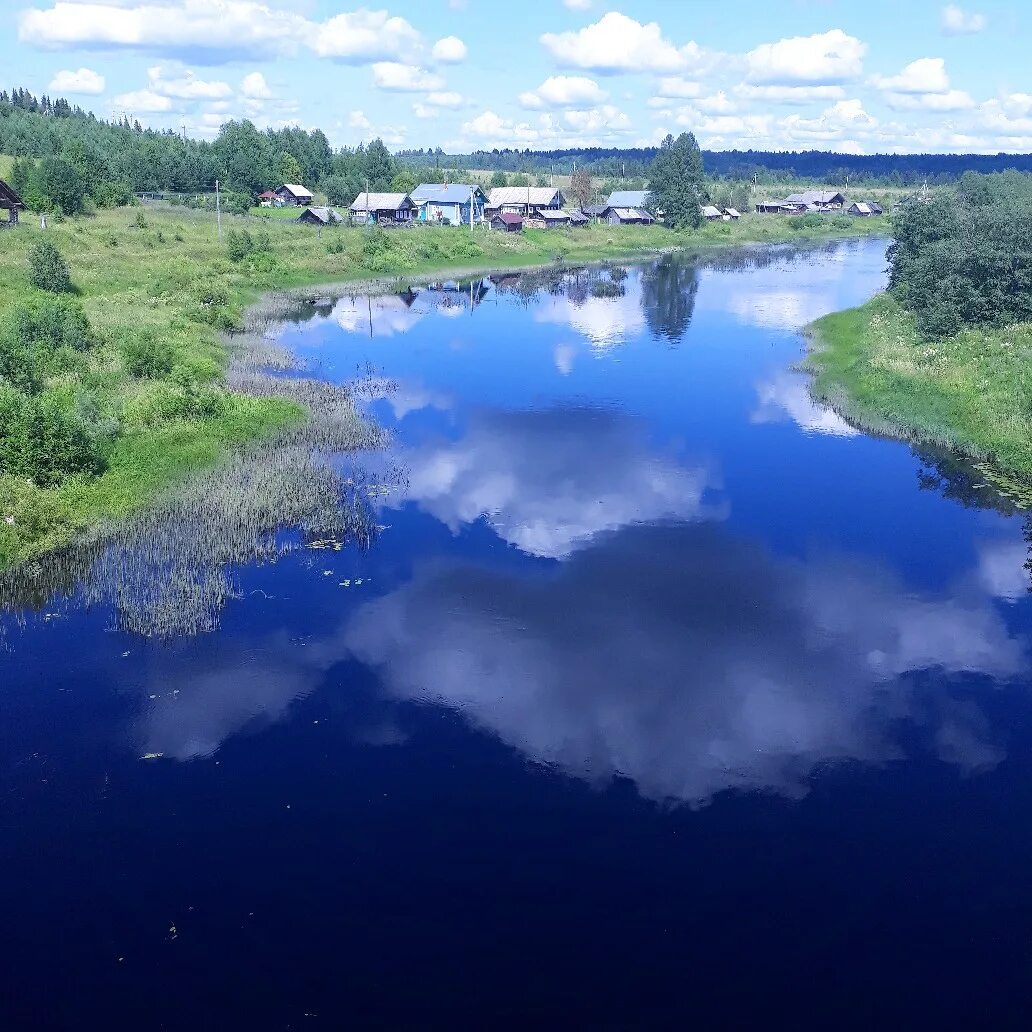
379, 201
510, 218
711, 212
323, 214
628, 198
297, 191
532, 195
628, 214
444, 193
815, 197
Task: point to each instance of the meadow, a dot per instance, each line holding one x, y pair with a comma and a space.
159, 290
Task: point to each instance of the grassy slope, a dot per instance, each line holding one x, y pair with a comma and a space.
970, 392
133, 277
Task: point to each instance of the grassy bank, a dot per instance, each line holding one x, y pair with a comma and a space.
158, 280
969, 392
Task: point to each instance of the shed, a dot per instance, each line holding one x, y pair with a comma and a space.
10, 203
507, 222
317, 216
550, 218
595, 211
292, 193
383, 209
628, 217
578, 218
732, 213
710, 213
864, 209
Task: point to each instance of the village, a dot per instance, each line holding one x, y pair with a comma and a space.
511, 209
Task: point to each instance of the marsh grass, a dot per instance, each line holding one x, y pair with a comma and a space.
969, 393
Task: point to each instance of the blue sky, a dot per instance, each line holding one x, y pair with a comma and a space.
878, 75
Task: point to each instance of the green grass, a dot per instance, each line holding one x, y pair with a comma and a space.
969, 392
154, 270
6, 164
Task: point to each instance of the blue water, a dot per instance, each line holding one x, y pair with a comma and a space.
664, 695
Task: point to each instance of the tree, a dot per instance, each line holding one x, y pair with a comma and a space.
61, 185
47, 268
289, 168
341, 189
403, 181
379, 166
677, 183
499, 178
580, 187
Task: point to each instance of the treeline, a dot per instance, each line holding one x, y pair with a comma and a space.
765, 167
964, 257
70, 159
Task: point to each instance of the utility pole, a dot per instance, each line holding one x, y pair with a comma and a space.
218, 208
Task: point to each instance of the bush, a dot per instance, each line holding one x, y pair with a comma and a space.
147, 356
36, 332
47, 268
238, 245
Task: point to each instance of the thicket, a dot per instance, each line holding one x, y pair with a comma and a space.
964, 257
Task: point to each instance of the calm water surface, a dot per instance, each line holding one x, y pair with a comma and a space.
663, 694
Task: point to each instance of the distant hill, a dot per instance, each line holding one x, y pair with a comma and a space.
766, 166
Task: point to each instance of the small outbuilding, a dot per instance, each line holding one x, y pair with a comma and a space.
732, 213
383, 209
594, 212
864, 209
711, 214
507, 222
318, 216
10, 205
628, 217
292, 193
578, 218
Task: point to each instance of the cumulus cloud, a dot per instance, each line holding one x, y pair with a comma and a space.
689, 661
616, 44
564, 91
403, 78
677, 87
216, 30
923, 84
956, 21
827, 58
788, 94
449, 50
140, 102
185, 85
84, 80
255, 86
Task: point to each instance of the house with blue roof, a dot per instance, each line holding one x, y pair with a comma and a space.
450, 204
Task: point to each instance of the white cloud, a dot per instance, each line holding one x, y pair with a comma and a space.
403, 78
951, 100
718, 104
184, 85
606, 118
926, 75
435, 101
140, 102
827, 58
255, 86
956, 21
789, 94
677, 87
84, 80
364, 36
450, 50
616, 44
564, 91
577, 5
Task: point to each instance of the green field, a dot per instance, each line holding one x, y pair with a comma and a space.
969, 392
160, 275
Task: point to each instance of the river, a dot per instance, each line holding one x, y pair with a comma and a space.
660, 693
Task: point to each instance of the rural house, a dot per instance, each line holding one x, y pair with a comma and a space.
819, 200
864, 209
628, 216
291, 193
316, 216
628, 199
455, 204
10, 205
507, 222
594, 212
548, 218
524, 200
269, 199
383, 209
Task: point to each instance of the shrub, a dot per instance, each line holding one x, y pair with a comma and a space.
147, 356
36, 331
47, 268
239, 244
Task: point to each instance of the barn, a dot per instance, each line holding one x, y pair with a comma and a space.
507, 222
10, 205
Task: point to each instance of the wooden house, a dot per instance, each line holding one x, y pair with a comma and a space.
317, 216
628, 217
383, 209
10, 205
291, 193
525, 200
864, 209
269, 199
629, 199
507, 222
449, 204
711, 214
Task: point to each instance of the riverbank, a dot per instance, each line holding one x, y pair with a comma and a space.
969, 392
158, 280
